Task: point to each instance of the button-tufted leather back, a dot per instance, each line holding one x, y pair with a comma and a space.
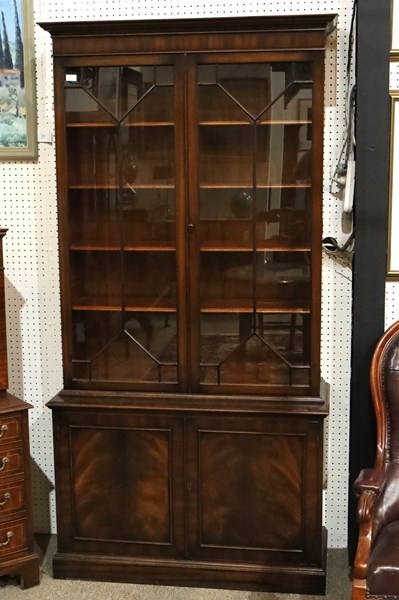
385, 390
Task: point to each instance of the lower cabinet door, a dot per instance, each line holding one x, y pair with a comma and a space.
254, 489
119, 483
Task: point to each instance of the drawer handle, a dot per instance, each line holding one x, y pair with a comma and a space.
10, 535
7, 497
4, 462
3, 430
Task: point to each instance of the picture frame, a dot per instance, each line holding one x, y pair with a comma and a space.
18, 123
395, 28
393, 213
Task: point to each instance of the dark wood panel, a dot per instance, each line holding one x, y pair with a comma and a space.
238, 471
121, 483
254, 489
308, 579
119, 37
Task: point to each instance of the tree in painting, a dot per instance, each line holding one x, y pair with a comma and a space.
12, 96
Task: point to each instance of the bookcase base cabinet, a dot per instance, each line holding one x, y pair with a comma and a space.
190, 497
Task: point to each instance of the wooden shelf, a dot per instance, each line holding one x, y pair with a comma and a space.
264, 186
260, 247
125, 248
140, 305
208, 306
115, 125
245, 305
100, 186
203, 186
292, 122
209, 123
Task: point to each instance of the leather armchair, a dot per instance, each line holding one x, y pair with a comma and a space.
376, 565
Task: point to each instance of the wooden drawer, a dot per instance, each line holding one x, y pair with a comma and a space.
11, 462
10, 429
13, 537
12, 498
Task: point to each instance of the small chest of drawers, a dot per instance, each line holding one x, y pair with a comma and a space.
17, 557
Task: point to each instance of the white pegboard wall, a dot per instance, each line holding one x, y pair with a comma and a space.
391, 303
32, 292
394, 75
392, 287
29, 211
336, 297
153, 9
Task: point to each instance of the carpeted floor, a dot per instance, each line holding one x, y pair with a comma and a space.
338, 586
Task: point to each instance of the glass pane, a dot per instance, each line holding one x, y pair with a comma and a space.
156, 107
149, 218
226, 218
268, 350
124, 346
255, 138
95, 279
150, 280
289, 148
95, 162
283, 218
215, 105
148, 167
124, 360
147, 156
92, 331
226, 155
267, 279
81, 106
94, 219
122, 212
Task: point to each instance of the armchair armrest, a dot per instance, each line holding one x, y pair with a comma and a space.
372, 480
364, 512
368, 487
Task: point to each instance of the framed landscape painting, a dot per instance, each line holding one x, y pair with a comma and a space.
18, 128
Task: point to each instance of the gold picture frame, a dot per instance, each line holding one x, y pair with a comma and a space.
395, 29
18, 123
393, 214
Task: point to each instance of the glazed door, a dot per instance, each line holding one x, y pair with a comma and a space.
192, 219
254, 199
122, 221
